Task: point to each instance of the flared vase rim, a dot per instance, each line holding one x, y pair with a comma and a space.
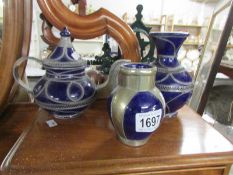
170, 34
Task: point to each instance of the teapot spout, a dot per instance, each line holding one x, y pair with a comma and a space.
105, 89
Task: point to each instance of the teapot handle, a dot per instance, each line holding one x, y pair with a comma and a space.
16, 74
105, 89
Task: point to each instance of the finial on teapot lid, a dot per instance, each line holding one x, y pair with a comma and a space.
65, 32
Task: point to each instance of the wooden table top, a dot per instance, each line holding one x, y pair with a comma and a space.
88, 145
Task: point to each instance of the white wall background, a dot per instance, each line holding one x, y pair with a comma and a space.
155, 8
185, 9
151, 8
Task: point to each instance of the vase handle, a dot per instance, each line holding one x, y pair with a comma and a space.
16, 74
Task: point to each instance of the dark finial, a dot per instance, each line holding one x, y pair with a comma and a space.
139, 8
106, 49
139, 12
65, 32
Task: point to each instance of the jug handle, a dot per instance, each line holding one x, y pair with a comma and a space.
16, 74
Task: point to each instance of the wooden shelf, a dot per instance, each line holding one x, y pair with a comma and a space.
149, 24
153, 25
88, 145
174, 25
229, 46
188, 25
193, 43
11, 125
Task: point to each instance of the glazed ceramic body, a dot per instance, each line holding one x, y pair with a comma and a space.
136, 106
64, 90
172, 79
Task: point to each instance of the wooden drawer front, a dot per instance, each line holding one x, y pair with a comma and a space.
199, 171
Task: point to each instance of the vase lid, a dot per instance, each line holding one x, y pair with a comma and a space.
64, 55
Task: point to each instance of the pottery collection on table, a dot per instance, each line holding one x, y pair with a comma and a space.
140, 95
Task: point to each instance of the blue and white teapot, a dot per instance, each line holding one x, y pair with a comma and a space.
65, 90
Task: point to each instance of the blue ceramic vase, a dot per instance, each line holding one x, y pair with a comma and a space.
136, 107
65, 90
172, 79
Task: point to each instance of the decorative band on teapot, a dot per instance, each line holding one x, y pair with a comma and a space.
66, 105
51, 64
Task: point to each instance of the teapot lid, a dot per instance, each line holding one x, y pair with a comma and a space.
64, 55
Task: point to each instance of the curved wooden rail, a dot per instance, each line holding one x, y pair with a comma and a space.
91, 26
47, 34
46, 27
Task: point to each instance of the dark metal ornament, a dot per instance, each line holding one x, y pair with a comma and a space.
140, 29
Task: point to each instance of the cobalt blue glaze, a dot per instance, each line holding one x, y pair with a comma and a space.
142, 102
64, 90
65, 32
136, 107
57, 52
138, 66
174, 105
172, 79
